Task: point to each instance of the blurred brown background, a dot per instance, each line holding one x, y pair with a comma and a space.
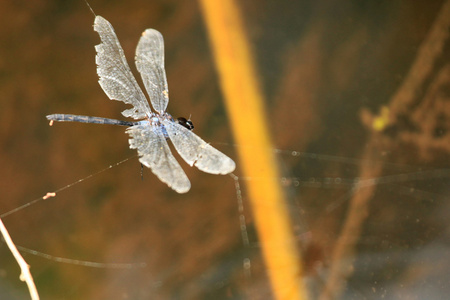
326, 68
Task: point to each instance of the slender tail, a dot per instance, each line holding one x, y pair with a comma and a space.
87, 119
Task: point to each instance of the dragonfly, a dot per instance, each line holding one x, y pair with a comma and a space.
151, 130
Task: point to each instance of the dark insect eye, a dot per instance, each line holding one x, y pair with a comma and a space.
190, 124
185, 123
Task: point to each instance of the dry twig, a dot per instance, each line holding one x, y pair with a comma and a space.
24, 267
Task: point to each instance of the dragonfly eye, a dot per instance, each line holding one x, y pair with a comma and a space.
185, 123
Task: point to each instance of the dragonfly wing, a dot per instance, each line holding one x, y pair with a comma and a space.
116, 78
154, 152
196, 151
150, 63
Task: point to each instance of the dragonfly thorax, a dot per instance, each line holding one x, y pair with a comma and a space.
156, 119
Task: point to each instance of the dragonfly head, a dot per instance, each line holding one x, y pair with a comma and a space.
185, 123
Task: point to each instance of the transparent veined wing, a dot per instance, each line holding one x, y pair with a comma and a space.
116, 78
197, 152
150, 63
154, 153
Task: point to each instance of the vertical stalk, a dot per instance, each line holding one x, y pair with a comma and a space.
245, 107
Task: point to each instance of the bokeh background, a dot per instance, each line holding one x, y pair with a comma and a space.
329, 71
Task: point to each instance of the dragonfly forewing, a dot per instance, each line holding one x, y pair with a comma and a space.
150, 63
197, 152
116, 78
154, 153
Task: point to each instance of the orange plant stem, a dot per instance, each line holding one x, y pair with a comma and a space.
245, 106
